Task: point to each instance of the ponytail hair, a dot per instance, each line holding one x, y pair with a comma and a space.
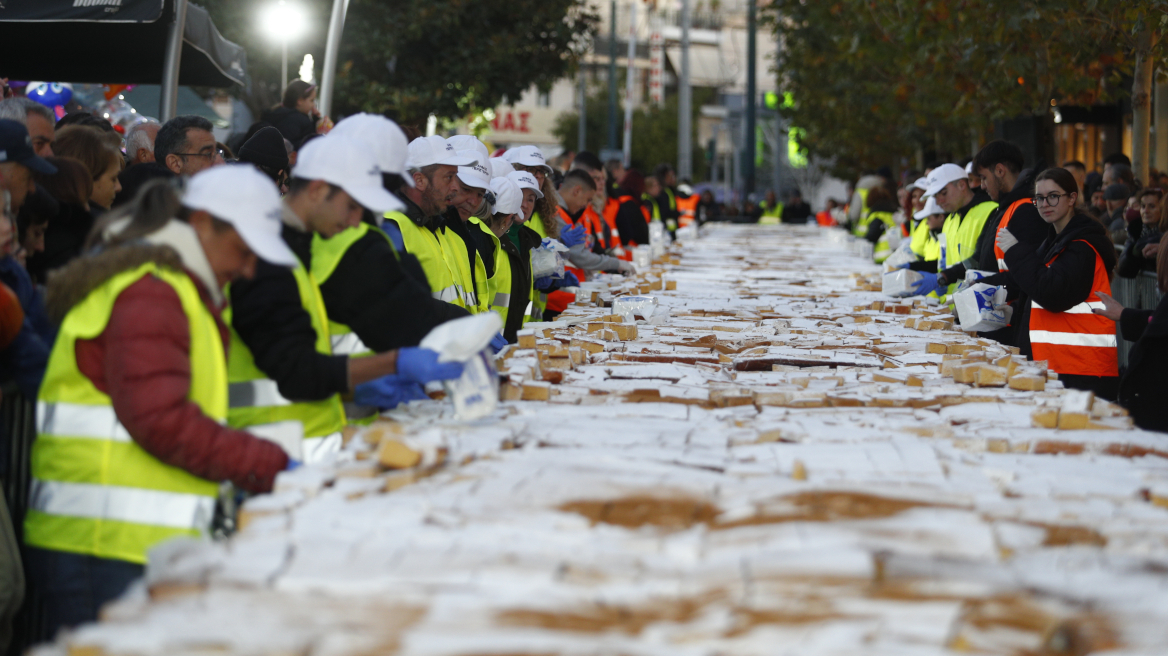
155, 204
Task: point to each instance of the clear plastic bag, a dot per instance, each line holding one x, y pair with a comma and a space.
900, 283
630, 307
546, 263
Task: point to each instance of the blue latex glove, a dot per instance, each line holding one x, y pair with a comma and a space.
927, 284
420, 365
498, 343
570, 280
292, 464
573, 236
545, 283
388, 392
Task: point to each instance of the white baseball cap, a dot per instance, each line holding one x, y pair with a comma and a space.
427, 151
247, 199
525, 180
527, 156
943, 175
919, 183
931, 208
350, 165
508, 198
969, 167
500, 168
388, 142
475, 175
469, 142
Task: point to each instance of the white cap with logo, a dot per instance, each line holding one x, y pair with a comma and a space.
385, 138
427, 151
525, 180
508, 198
527, 156
350, 165
249, 201
943, 175
931, 208
919, 183
475, 175
500, 168
463, 142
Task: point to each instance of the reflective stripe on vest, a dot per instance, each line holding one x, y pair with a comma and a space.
255, 400
251, 393
347, 343
434, 254
95, 491
131, 505
998, 252
1077, 341
688, 207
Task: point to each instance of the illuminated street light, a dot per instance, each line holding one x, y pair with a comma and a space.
283, 22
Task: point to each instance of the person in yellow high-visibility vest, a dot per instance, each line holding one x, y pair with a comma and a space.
287, 368
968, 210
131, 441
544, 221
772, 209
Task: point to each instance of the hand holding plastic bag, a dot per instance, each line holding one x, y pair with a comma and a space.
927, 284
421, 365
388, 392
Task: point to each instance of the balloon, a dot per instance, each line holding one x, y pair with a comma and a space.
51, 94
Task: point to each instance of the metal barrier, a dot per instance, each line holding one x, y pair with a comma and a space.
19, 425
1141, 293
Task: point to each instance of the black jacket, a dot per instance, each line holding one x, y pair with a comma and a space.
64, 237
380, 296
520, 278
1132, 260
293, 125
267, 313
630, 221
1067, 281
1026, 225
1141, 389
796, 213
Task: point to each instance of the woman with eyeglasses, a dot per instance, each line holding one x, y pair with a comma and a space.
1066, 279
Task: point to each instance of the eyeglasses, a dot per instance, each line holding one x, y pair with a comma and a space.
211, 155
1052, 199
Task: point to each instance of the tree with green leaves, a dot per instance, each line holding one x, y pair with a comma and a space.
875, 82
412, 58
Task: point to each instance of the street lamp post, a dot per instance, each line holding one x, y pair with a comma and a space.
283, 22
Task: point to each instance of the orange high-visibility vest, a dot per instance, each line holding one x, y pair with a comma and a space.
1077, 341
998, 252
688, 208
611, 209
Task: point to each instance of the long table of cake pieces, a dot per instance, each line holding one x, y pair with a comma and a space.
774, 458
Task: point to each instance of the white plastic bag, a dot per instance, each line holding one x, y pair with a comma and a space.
642, 256
476, 393
901, 256
982, 308
972, 276
900, 283
548, 259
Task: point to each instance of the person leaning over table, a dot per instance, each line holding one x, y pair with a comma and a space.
1141, 389
131, 445
1065, 278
